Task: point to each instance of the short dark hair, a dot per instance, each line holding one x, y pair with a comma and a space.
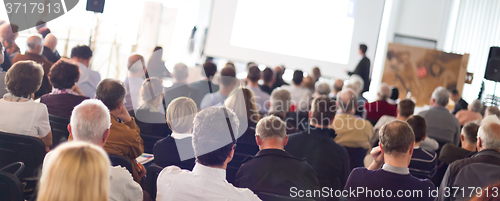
217, 157
64, 75
454, 92
267, 75
253, 74
251, 63
210, 69
228, 75
157, 48
396, 137
323, 111
298, 76
363, 48
419, 127
24, 78
493, 110
394, 93
81, 51
470, 131
111, 93
406, 108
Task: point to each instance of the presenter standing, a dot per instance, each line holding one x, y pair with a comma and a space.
363, 67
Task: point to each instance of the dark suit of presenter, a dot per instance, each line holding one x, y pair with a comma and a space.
363, 70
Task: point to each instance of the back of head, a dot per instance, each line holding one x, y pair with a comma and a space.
24, 78
280, 101
493, 110
476, 106
454, 92
180, 114
271, 127
384, 92
157, 48
228, 76
308, 82
489, 133
50, 41
212, 138
363, 48
135, 63
347, 100
406, 108
441, 96
34, 42
253, 74
75, 171
111, 93
394, 93
316, 73
396, 138
358, 82
243, 102
151, 88
209, 69
267, 75
323, 111
470, 132
230, 64
81, 52
64, 74
338, 85
298, 76
89, 121
180, 71
323, 89
419, 127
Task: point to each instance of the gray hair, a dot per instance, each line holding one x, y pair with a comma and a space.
89, 120
211, 129
323, 88
476, 106
34, 41
280, 101
384, 92
357, 81
347, 100
490, 135
441, 96
180, 71
271, 127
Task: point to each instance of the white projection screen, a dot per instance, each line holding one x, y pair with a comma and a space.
299, 34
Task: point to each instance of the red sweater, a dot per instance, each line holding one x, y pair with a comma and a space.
377, 109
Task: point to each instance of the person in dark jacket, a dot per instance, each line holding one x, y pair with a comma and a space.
316, 145
273, 170
363, 68
460, 103
206, 85
49, 48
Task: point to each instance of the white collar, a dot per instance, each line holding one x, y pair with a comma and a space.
416, 147
179, 136
396, 170
215, 173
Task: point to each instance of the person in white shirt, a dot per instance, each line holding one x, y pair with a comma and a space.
213, 142
261, 98
89, 79
90, 122
133, 83
300, 95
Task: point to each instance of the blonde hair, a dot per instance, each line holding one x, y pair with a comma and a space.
180, 114
77, 171
234, 102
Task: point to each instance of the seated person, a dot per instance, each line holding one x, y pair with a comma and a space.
61, 181
176, 149
268, 78
450, 152
273, 170
206, 85
19, 114
492, 110
65, 96
328, 159
133, 82
377, 109
261, 98
280, 106
94, 112
423, 162
213, 143
150, 116
180, 88
472, 114
89, 79
228, 83
389, 169
124, 138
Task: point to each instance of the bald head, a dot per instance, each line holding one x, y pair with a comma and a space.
136, 64
396, 137
346, 101
35, 44
337, 86
489, 136
50, 42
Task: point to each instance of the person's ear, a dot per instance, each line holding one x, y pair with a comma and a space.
69, 128
105, 136
411, 148
231, 154
258, 140
381, 148
462, 138
479, 144
285, 140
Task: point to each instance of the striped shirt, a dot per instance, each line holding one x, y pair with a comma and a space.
423, 163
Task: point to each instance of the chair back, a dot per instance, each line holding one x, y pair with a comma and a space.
21, 148
121, 161
275, 197
356, 156
152, 173
149, 141
10, 187
59, 127
14, 168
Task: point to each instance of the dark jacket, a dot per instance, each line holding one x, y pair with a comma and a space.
266, 89
166, 153
476, 167
178, 90
51, 56
276, 171
6, 61
204, 87
460, 105
61, 104
450, 153
363, 70
328, 159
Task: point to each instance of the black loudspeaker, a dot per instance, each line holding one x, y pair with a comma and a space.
95, 6
493, 66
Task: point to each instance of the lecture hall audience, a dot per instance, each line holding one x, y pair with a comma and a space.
279, 82
468, 138
492, 110
300, 95
150, 116
261, 98
268, 79
206, 85
337, 87
89, 79
471, 114
280, 103
423, 162
180, 87
460, 103
381, 107
49, 48
156, 66
133, 82
228, 83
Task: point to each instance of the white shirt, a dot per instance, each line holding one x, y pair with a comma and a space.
25, 118
300, 96
203, 183
88, 81
261, 98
